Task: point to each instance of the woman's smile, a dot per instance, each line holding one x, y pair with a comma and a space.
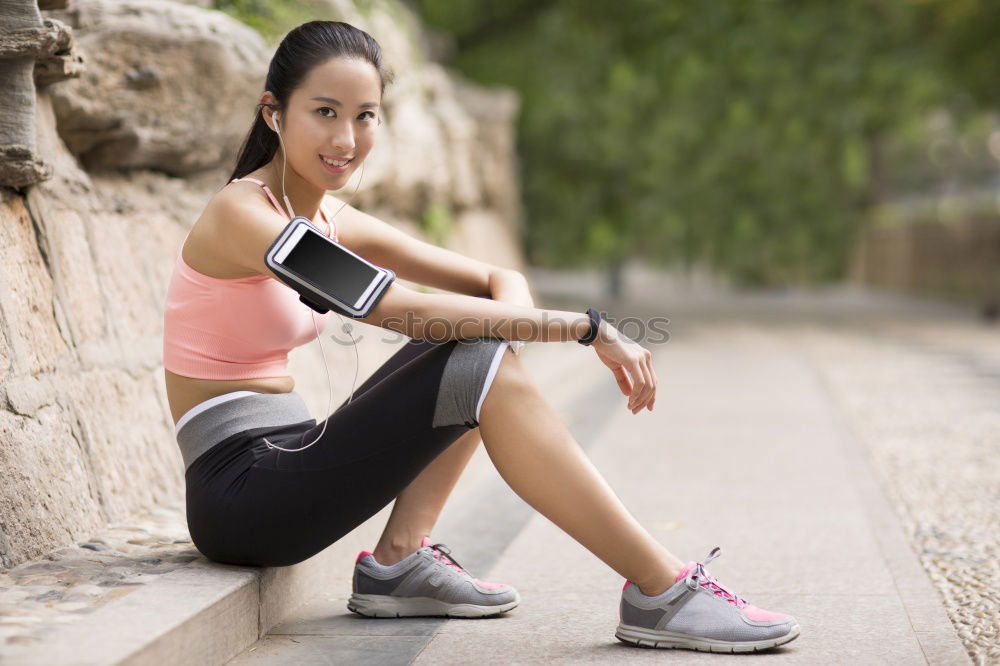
335, 165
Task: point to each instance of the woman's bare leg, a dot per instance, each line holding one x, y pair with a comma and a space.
417, 508
530, 447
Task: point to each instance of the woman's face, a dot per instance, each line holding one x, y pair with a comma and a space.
331, 119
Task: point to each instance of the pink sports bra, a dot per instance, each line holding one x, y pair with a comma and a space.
234, 328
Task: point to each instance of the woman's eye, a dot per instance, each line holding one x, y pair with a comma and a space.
367, 115
326, 108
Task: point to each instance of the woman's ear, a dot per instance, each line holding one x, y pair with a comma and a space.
268, 101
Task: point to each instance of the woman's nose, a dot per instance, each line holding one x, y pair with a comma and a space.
343, 139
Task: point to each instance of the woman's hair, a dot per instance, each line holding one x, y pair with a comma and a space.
303, 48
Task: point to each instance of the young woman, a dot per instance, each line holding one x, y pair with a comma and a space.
408, 431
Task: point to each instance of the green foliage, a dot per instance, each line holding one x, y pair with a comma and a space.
274, 18
966, 32
748, 136
437, 222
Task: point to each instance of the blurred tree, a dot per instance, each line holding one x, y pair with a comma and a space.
273, 18
966, 32
746, 136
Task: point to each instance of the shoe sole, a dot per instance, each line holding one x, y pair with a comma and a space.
381, 605
651, 638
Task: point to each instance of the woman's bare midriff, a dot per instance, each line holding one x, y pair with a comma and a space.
183, 393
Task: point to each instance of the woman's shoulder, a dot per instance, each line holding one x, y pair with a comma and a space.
236, 197
230, 212
240, 224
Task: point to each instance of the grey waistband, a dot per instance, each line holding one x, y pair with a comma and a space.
258, 410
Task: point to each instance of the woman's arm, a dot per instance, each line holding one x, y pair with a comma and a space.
415, 260
424, 263
511, 286
443, 317
247, 228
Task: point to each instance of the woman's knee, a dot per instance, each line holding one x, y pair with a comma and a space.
510, 378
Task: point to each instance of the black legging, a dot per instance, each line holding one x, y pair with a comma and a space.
251, 505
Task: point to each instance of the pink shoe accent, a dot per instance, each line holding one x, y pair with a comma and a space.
361, 556
426, 541
710, 583
488, 586
720, 590
627, 583
761, 615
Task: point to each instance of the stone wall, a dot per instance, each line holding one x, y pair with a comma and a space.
136, 141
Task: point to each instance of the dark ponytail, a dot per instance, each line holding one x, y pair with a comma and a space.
303, 48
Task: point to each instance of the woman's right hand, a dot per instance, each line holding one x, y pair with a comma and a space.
631, 364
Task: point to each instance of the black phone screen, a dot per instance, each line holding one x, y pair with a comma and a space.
329, 268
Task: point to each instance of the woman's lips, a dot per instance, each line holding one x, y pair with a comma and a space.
335, 169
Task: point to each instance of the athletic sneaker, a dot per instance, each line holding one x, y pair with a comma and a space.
700, 613
428, 582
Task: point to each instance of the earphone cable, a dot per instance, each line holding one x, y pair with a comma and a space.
347, 328
357, 362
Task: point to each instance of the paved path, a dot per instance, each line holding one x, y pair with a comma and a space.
748, 448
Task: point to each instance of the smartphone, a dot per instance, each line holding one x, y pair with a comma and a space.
326, 274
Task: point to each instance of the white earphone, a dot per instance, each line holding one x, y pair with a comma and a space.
346, 327
277, 129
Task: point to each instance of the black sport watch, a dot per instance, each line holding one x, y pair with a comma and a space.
595, 323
